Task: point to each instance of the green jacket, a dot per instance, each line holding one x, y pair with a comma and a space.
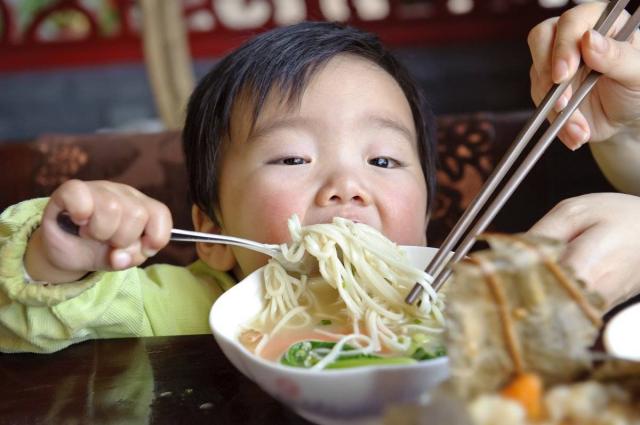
157, 300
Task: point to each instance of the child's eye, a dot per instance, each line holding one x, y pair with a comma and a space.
294, 160
384, 162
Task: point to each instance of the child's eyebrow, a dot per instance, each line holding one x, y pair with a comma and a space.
372, 119
260, 130
384, 122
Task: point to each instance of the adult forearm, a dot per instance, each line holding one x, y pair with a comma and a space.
619, 160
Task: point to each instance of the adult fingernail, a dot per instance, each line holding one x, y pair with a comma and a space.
598, 42
561, 103
560, 71
577, 134
120, 260
148, 252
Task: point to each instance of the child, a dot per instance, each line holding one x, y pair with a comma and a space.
314, 119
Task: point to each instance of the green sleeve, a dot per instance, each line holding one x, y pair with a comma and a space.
159, 300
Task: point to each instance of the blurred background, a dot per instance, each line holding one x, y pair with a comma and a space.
86, 65
96, 89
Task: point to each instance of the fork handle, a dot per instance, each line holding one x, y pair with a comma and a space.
177, 235
66, 224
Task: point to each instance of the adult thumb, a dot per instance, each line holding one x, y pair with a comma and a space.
565, 222
618, 60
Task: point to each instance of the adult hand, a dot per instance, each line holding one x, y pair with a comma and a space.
602, 232
613, 106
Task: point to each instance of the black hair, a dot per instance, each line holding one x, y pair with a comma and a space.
284, 58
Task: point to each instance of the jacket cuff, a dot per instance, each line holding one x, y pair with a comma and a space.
17, 223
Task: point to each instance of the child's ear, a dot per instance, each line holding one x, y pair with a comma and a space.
217, 256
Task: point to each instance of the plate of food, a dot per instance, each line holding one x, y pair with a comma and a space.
521, 341
343, 347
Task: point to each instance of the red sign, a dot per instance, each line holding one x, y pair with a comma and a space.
72, 33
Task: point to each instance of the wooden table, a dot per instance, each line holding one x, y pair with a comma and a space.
162, 380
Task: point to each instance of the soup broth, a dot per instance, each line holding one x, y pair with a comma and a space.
353, 309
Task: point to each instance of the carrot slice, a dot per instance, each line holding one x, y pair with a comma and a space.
526, 389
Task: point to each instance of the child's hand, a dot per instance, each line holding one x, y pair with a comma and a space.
120, 227
602, 231
613, 106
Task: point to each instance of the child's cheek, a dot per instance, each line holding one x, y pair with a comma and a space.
405, 220
276, 207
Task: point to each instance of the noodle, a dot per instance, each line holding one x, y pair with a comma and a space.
364, 279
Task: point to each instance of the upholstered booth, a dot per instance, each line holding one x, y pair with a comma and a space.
469, 147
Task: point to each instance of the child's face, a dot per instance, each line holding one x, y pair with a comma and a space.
349, 150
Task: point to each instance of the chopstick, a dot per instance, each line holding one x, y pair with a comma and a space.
609, 16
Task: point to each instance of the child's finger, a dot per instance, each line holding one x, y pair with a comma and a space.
618, 60
565, 56
106, 219
158, 228
132, 224
130, 256
74, 197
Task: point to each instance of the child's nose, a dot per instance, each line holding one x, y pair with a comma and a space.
344, 188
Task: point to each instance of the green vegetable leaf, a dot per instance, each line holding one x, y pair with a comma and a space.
371, 360
421, 354
300, 355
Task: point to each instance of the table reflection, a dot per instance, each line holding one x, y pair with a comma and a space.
131, 381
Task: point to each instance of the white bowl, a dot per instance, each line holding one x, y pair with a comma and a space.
619, 334
357, 395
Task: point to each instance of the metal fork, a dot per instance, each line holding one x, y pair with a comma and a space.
435, 267
272, 250
178, 235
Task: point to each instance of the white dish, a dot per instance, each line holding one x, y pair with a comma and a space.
620, 333
357, 395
